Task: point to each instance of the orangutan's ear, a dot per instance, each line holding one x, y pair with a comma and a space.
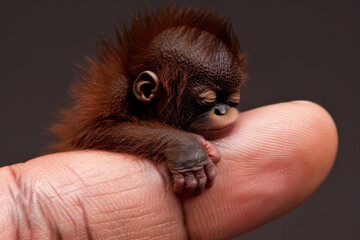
145, 86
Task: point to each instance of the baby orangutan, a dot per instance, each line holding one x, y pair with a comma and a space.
171, 80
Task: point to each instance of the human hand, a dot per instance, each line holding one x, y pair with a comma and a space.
274, 159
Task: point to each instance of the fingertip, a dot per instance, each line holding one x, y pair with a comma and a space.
320, 143
210, 171
213, 153
275, 158
179, 182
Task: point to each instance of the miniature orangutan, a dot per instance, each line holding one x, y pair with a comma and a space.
170, 81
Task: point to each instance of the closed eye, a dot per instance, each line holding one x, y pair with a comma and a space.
207, 97
234, 98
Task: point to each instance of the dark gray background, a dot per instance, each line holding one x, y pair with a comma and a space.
296, 50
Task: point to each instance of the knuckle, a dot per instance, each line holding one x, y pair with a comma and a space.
192, 184
35, 205
28, 213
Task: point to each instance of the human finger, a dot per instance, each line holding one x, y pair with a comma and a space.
275, 158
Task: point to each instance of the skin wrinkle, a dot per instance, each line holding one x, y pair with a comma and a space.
79, 178
36, 209
111, 180
129, 212
50, 223
119, 210
129, 233
63, 209
164, 226
11, 217
22, 219
85, 219
123, 177
130, 189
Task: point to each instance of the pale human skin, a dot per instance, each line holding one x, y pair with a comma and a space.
274, 159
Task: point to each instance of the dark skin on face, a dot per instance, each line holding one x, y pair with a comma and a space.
161, 97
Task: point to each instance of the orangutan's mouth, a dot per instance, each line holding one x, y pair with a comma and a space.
216, 132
